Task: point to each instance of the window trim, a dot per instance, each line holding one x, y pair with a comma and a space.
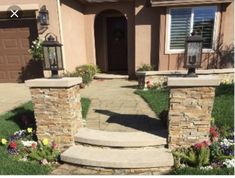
168, 29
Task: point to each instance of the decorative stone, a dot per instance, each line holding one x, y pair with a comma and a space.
189, 118
57, 109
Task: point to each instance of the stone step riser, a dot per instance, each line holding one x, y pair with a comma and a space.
70, 169
119, 147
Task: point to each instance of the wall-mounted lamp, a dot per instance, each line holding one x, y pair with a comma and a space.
43, 16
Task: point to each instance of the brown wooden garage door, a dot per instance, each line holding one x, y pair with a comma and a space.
15, 40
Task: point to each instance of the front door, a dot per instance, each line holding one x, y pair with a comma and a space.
117, 43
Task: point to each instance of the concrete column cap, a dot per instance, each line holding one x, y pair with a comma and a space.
65, 82
202, 81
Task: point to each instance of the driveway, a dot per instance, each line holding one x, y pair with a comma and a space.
13, 95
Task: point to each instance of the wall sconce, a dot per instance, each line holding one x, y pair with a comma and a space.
43, 16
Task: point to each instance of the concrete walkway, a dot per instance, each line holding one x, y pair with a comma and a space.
13, 95
115, 107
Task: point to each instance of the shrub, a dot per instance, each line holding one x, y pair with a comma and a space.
36, 49
198, 171
86, 71
146, 67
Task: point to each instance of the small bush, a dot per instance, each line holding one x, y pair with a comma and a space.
146, 67
198, 171
87, 72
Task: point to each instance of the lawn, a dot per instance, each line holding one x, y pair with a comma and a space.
223, 109
11, 122
223, 113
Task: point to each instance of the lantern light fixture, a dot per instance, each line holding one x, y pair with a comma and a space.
193, 54
52, 54
43, 16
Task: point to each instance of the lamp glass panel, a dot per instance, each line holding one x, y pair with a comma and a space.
46, 58
52, 56
59, 57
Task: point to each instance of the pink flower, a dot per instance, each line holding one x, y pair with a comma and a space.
34, 145
54, 145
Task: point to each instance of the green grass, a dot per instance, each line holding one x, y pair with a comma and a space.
223, 109
11, 122
197, 171
157, 99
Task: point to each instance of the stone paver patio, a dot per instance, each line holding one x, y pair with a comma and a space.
115, 107
13, 95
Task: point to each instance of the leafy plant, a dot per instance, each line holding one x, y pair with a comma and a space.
146, 67
87, 72
215, 151
36, 49
195, 158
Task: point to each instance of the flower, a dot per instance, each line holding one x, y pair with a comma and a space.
13, 145
206, 168
45, 141
4, 141
54, 145
201, 145
34, 145
28, 143
229, 163
29, 130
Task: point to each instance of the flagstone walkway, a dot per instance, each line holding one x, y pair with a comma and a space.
115, 107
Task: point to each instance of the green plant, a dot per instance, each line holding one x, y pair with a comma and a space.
215, 151
146, 67
36, 49
87, 72
198, 171
192, 157
44, 152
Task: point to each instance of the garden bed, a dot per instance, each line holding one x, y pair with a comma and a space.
20, 152
215, 156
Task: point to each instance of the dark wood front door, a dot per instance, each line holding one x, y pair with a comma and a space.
117, 43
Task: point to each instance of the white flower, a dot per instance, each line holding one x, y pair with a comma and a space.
23, 159
28, 143
227, 143
229, 163
206, 168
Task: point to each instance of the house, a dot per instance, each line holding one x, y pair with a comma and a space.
117, 35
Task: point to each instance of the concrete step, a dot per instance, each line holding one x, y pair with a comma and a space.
120, 139
118, 158
110, 76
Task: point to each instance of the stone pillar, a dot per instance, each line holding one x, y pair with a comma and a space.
57, 109
190, 107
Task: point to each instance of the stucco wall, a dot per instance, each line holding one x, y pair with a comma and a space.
51, 7
147, 22
73, 33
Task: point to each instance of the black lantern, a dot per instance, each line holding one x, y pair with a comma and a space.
43, 16
193, 54
52, 54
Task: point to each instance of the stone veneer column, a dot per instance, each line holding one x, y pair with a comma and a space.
190, 106
57, 109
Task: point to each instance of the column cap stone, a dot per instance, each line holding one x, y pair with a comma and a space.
202, 81
64, 82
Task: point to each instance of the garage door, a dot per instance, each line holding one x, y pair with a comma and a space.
15, 39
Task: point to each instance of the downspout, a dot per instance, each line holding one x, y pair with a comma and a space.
61, 32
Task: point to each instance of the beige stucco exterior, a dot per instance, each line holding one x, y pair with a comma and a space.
73, 23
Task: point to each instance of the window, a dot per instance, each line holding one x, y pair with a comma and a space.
184, 21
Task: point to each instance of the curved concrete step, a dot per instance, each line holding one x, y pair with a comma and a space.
120, 139
118, 158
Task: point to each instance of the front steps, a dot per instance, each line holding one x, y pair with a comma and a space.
120, 139
126, 152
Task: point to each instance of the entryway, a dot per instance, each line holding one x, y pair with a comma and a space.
111, 42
